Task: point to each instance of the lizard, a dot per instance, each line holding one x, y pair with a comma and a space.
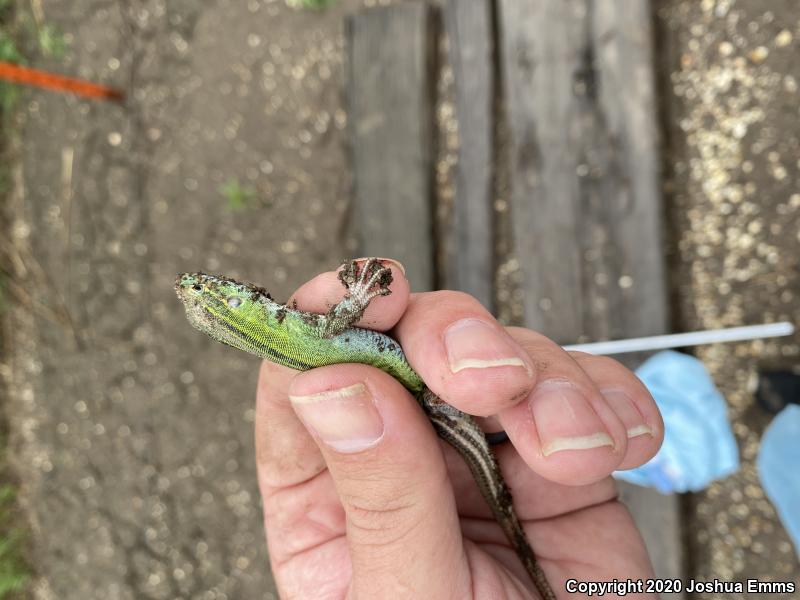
245, 316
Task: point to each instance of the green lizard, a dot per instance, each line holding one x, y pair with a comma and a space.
244, 316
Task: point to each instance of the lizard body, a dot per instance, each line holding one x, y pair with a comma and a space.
245, 316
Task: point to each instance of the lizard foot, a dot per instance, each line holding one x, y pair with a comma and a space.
367, 282
362, 284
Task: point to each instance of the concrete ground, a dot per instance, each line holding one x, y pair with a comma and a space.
132, 432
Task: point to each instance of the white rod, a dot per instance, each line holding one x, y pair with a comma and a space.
693, 338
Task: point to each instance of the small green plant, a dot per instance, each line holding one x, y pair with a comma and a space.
9, 52
312, 4
8, 48
51, 42
20, 37
238, 196
13, 572
43, 39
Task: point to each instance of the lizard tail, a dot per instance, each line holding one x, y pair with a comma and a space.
462, 432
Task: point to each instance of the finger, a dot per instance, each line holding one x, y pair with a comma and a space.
325, 290
565, 429
301, 507
285, 454
598, 543
464, 355
535, 498
632, 403
388, 469
299, 521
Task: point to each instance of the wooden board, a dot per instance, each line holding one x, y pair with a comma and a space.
626, 114
585, 199
389, 88
469, 243
540, 49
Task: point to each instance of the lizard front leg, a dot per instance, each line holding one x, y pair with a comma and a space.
362, 285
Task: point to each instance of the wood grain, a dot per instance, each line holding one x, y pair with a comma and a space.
469, 242
389, 91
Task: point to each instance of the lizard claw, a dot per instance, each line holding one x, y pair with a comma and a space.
348, 274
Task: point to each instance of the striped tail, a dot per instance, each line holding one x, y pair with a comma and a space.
464, 434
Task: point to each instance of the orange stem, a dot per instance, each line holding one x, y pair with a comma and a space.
44, 79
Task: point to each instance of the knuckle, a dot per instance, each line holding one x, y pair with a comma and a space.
449, 301
385, 518
605, 363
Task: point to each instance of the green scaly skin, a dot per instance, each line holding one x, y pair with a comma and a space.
244, 316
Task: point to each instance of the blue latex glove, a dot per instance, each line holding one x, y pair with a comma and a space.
699, 446
777, 463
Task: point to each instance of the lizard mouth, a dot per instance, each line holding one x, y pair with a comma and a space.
180, 288
184, 282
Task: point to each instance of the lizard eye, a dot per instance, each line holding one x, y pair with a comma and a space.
197, 287
234, 302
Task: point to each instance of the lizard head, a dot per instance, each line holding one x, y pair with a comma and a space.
219, 306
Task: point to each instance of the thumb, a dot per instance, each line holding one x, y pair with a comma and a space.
401, 522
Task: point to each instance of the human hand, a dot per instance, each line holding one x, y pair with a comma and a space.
372, 504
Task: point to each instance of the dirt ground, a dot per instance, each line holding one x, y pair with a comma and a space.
729, 79
132, 433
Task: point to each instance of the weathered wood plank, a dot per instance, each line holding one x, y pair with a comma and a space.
390, 51
585, 197
469, 245
540, 46
658, 518
622, 47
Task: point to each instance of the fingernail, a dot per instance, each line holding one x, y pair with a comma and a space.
474, 344
393, 262
346, 419
565, 420
622, 404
